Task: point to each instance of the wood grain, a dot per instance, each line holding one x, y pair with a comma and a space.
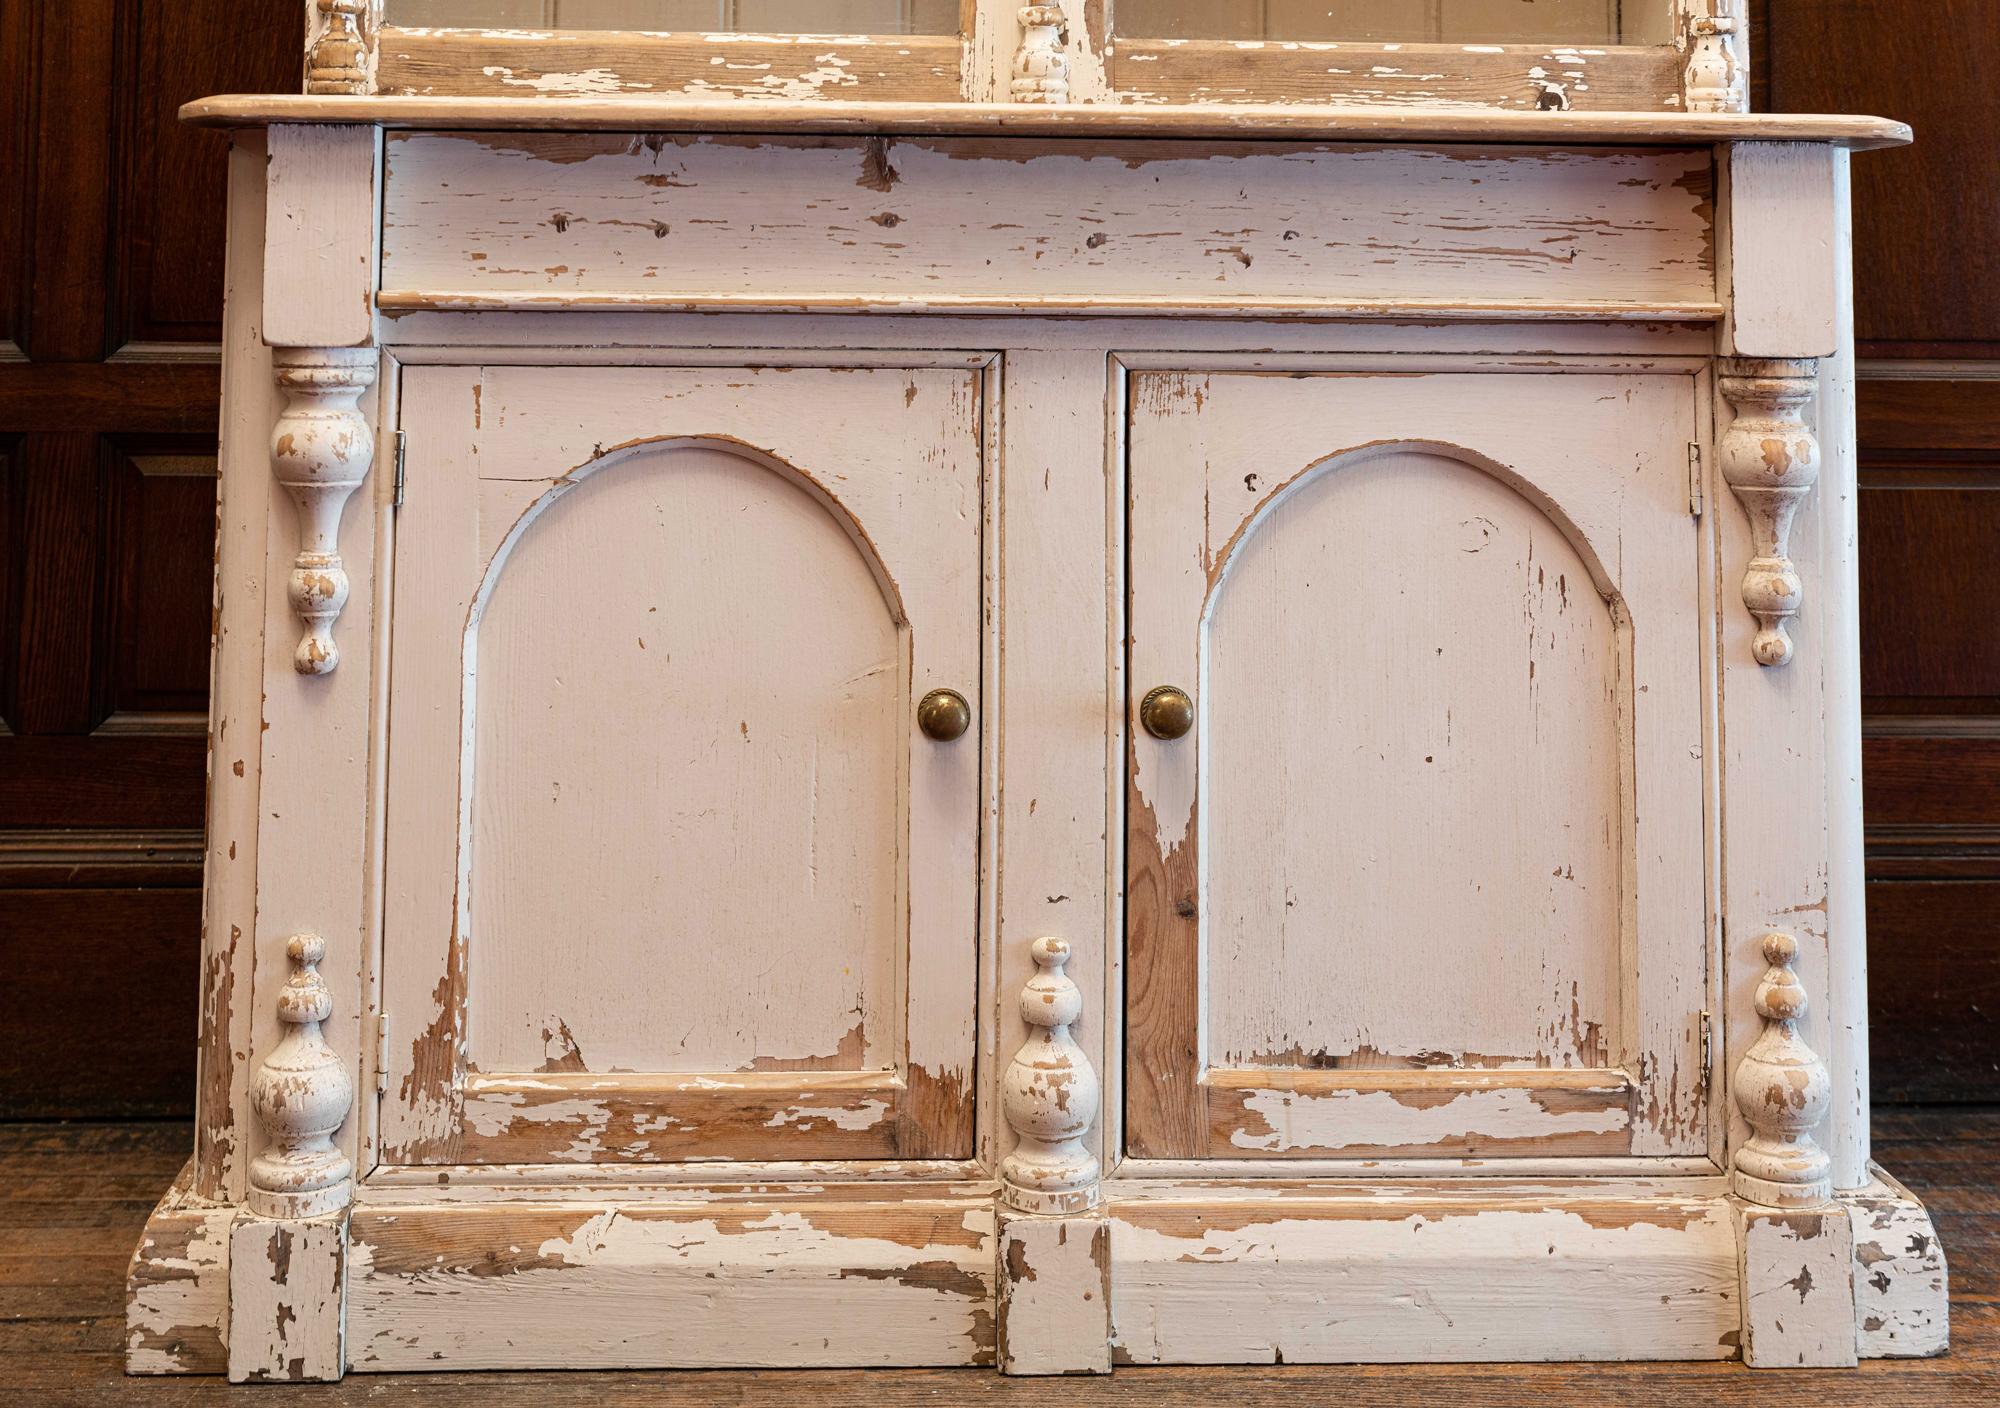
1100, 120
1920, 228
88, 1188
1504, 77
112, 235
709, 220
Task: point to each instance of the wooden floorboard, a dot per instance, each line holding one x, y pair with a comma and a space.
73, 1198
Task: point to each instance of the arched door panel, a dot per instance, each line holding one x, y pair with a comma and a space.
1440, 808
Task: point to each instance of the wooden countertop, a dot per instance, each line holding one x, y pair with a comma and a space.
1210, 122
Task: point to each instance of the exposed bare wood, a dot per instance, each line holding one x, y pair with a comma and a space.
1771, 461
779, 68
1501, 78
857, 222
1248, 122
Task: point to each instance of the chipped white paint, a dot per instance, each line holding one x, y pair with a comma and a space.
1782, 1090
287, 1292
1715, 37
1771, 462
1041, 69
1902, 1306
628, 1125
637, 552
1576, 1273
177, 1291
865, 1115
321, 450
817, 1284
1050, 1093
1524, 685
1293, 1120
301, 1094
841, 223
1798, 1288
1054, 1294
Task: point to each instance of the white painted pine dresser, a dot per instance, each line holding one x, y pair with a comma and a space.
1036, 698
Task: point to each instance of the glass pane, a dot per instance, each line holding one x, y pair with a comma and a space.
707, 16
1403, 21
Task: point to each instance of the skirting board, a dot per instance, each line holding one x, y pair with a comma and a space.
1201, 1272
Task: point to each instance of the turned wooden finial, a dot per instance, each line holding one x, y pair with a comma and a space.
1784, 1091
301, 1095
321, 449
1041, 68
1714, 80
1770, 458
337, 58
1049, 1095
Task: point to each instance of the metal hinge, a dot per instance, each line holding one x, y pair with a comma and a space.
1694, 480
1707, 1053
402, 447
381, 1053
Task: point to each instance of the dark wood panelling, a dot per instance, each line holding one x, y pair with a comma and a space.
156, 609
168, 397
128, 1049
17, 96
111, 240
1926, 290
1923, 779
1925, 217
55, 537
122, 780
1935, 937
1930, 545
1938, 413
167, 235
70, 229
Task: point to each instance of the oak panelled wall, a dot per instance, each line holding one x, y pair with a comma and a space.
1928, 328
110, 300
110, 307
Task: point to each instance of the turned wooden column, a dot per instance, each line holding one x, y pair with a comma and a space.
1770, 459
288, 1249
321, 449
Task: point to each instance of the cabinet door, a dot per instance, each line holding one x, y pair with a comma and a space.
1427, 876
672, 872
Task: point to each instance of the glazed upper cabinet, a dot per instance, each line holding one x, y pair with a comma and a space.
1534, 55
1427, 876
675, 871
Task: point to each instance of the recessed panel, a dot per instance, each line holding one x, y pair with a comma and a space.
1411, 774
685, 810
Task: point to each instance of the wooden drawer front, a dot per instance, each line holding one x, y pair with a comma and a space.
614, 219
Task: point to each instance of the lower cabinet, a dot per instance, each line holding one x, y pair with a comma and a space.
1049, 855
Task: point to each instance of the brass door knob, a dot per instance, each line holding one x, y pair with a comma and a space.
944, 716
1167, 712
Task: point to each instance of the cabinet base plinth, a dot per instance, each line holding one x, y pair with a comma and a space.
1198, 1272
